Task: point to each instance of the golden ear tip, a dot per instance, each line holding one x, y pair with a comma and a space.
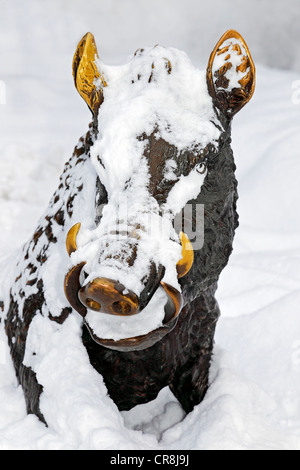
233, 33
87, 37
86, 73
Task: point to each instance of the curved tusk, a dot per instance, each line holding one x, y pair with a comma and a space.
174, 304
72, 286
71, 238
185, 263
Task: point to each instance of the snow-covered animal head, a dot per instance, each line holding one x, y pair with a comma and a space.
160, 129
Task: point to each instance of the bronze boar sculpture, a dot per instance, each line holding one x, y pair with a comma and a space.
108, 252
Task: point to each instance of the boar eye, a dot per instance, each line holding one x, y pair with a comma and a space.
201, 168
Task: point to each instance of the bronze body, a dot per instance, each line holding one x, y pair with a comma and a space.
178, 353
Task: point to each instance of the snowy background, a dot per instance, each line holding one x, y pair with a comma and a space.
254, 399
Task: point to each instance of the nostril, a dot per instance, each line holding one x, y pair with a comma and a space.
93, 304
121, 308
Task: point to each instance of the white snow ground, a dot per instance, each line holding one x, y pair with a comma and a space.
254, 400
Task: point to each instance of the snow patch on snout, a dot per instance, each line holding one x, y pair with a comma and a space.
119, 327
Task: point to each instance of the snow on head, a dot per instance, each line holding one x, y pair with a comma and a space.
157, 96
160, 89
157, 92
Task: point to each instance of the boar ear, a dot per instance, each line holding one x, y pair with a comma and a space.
89, 82
230, 74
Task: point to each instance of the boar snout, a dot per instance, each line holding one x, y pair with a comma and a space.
108, 296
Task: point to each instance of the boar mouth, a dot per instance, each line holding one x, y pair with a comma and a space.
172, 309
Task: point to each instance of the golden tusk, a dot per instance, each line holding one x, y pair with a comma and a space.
71, 238
72, 286
174, 304
185, 263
